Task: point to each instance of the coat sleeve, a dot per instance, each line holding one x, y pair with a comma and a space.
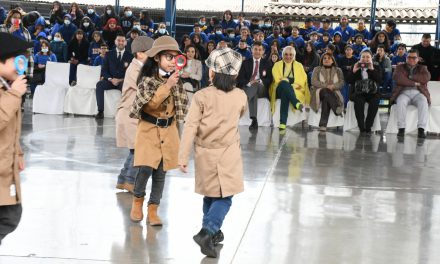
105, 67
316, 83
401, 79
192, 122
10, 103
197, 74
159, 96
423, 76
341, 81
241, 80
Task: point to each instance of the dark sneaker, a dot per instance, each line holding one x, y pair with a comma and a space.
204, 240
421, 133
401, 133
100, 115
218, 237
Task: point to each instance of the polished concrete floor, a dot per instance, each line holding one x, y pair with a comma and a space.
310, 198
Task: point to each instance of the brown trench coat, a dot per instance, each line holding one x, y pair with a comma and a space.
10, 150
152, 143
211, 125
321, 77
125, 125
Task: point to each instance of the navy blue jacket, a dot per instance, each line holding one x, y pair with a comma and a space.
112, 67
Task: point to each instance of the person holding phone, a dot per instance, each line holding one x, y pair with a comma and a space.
12, 88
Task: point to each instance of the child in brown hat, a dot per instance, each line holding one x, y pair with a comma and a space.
218, 164
161, 102
12, 88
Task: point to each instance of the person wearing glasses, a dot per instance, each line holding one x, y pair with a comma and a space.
161, 103
411, 87
289, 85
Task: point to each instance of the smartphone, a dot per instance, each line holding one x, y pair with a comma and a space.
16, 23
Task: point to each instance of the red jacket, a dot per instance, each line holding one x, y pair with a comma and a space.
401, 77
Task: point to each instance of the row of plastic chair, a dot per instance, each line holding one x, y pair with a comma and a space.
348, 121
56, 96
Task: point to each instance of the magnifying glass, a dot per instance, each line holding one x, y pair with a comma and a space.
21, 64
180, 61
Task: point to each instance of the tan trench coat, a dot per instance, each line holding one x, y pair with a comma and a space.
10, 150
211, 125
152, 143
125, 125
322, 77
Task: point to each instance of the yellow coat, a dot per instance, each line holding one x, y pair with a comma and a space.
302, 94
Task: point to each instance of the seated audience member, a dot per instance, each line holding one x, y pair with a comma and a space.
254, 78
88, 27
361, 29
346, 63
299, 52
230, 37
393, 48
147, 24
266, 28
134, 33
242, 22
40, 60
289, 85
102, 52
96, 19
339, 43
274, 58
200, 46
307, 29
213, 22
77, 14
95, 46
276, 35
391, 31
255, 24
344, 28
326, 28
313, 37
400, 57
244, 35
411, 81
57, 14
113, 70
429, 56
275, 47
327, 81
127, 20
259, 36
68, 29
161, 31
310, 60
198, 30
295, 37
358, 45
322, 44
110, 31
218, 35
380, 38
228, 21
109, 13
386, 71
78, 52
192, 73
40, 26
376, 29
59, 47
210, 46
202, 22
364, 79
243, 49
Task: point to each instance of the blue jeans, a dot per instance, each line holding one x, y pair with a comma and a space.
74, 69
387, 84
214, 212
346, 93
287, 95
140, 183
128, 173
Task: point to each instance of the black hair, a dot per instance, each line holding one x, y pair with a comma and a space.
391, 23
4, 58
150, 69
426, 36
257, 43
197, 54
103, 44
401, 45
381, 46
242, 14
414, 51
230, 30
121, 34
224, 82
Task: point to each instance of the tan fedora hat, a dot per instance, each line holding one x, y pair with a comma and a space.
163, 43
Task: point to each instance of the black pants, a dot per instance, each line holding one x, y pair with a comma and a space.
101, 87
329, 101
10, 216
365, 124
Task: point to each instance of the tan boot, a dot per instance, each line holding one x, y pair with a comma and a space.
136, 214
129, 187
152, 217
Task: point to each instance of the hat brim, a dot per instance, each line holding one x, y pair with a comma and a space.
156, 50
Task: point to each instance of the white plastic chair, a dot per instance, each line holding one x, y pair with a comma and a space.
350, 122
333, 120
293, 118
81, 98
111, 101
434, 111
49, 97
411, 120
264, 116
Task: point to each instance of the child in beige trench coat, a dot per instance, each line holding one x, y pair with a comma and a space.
212, 127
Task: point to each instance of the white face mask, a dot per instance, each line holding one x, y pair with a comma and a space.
44, 50
57, 39
109, 12
86, 24
232, 35
128, 13
268, 25
218, 32
377, 28
397, 41
202, 23
90, 11
67, 22
137, 27
162, 31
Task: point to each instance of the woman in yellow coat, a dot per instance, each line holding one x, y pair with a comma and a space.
289, 85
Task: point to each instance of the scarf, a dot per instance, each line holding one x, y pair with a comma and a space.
146, 89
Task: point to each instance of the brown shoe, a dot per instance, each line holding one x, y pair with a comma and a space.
136, 214
128, 187
152, 217
120, 186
